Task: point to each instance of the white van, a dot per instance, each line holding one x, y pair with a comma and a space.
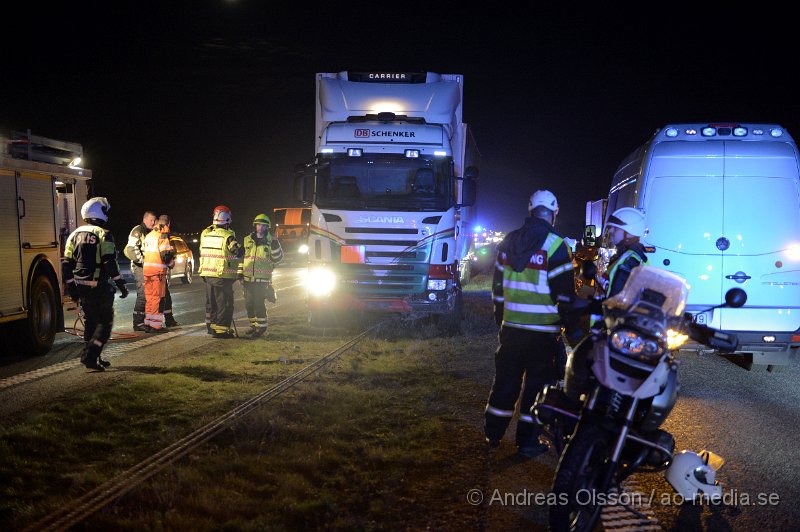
722, 203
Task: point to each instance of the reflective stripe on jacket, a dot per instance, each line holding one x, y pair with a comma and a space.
90, 257
159, 254
528, 303
257, 264
219, 253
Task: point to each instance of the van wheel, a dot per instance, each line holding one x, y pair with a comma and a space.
187, 274
38, 331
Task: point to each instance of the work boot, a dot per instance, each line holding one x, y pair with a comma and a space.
139, 327
251, 331
209, 330
92, 364
154, 330
534, 449
258, 332
170, 322
104, 363
223, 335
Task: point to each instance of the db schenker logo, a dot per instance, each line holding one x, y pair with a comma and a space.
362, 133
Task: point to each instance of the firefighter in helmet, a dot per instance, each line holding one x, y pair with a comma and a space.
220, 255
533, 267
261, 253
88, 268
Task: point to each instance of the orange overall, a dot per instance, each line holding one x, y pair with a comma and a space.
158, 258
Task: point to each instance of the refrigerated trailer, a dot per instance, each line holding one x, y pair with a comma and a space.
42, 187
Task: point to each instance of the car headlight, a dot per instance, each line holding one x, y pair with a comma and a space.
633, 344
320, 281
437, 284
303, 249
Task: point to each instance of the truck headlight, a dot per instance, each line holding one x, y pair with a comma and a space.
437, 284
303, 249
320, 281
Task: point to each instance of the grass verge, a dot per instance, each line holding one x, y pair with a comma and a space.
383, 440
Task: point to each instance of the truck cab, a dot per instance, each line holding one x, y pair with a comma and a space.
391, 191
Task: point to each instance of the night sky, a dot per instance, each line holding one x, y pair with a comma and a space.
181, 106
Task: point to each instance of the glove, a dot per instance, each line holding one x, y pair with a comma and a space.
271, 295
72, 290
123, 290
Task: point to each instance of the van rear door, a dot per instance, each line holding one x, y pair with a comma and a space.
683, 201
762, 224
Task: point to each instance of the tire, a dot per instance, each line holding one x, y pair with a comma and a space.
450, 324
188, 273
38, 331
580, 470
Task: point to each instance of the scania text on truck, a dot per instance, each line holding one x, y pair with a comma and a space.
42, 187
391, 191
722, 206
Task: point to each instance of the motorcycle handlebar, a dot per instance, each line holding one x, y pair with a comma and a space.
719, 340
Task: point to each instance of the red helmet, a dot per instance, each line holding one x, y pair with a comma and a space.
222, 215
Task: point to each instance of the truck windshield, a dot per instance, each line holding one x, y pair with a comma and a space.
394, 183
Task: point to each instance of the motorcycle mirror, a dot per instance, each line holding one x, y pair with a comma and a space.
735, 297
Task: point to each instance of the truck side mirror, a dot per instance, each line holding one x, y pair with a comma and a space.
469, 187
588, 236
303, 187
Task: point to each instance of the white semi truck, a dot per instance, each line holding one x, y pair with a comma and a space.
392, 189
722, 206
42, 187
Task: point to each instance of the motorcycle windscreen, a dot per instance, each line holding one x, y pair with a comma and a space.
762, 223
684, 204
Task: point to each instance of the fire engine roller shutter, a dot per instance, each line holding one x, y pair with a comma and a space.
10, 273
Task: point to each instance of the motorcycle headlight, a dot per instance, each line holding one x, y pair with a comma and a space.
633, 344
675, 339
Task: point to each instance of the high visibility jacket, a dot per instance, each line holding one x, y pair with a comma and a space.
219, 253
90, 257
259, 258
617, 273
523, 289
134, 249
159, 253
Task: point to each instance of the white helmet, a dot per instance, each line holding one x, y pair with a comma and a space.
691, 475
629, 220
222, 215
96, 209
543, 198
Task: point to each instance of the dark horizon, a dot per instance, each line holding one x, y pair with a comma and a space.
180, 110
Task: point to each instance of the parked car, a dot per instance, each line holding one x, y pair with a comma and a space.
184, 260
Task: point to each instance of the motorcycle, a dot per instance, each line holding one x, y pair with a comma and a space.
604, 422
